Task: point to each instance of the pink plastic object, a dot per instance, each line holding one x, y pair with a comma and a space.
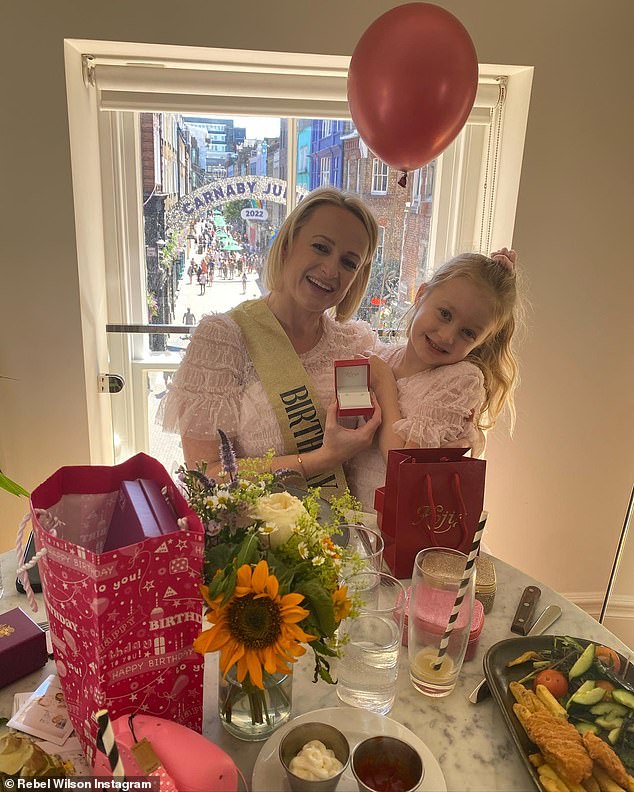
437, 626
191, 760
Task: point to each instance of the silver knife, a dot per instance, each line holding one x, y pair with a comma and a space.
548, 616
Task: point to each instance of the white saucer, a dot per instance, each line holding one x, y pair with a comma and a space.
356, 724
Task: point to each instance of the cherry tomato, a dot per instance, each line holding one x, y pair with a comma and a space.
609, 658
555, 681
607, 686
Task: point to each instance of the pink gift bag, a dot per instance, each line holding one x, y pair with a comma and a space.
122, 622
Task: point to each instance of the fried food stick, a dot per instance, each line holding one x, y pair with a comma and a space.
607, 760
559, 742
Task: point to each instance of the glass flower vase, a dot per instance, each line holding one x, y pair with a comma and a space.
252, 713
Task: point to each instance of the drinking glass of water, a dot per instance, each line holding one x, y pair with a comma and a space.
366, 548
368, 668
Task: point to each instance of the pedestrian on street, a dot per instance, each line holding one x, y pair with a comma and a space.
202, 281
190, 320
244, 283
191, 271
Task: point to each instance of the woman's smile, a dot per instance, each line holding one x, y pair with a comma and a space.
320, 284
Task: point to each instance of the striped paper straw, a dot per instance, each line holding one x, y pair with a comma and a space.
107, 745
466, 577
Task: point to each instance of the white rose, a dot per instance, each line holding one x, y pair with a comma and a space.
280, 510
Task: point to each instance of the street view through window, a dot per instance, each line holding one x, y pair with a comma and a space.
215, 194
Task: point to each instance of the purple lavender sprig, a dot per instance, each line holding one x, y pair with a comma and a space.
205, 480
228, 457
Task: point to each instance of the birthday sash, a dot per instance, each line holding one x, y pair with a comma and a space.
287, 385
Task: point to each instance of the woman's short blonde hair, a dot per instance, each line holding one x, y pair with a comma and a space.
325, 196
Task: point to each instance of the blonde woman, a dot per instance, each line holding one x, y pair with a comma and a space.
263, 373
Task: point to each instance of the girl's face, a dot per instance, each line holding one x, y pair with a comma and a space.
451, 320
324, 258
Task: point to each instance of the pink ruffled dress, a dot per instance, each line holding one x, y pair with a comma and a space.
438, 405
217, 387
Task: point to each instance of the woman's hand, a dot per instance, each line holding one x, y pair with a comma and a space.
382, 381
340, 443
381, 375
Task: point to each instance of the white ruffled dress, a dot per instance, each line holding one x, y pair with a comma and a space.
216, 385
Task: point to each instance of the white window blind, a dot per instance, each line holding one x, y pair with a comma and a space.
277, 84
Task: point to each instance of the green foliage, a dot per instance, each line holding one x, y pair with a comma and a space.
231, 211
11, 486
248, 520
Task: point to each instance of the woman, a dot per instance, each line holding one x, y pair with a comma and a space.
264, 372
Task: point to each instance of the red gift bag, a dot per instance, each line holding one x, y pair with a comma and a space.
433, 497
122, 622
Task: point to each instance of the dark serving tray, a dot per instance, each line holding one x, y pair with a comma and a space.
498, 676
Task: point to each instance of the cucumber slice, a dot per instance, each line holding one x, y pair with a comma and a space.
587, 698
609, 723
583, 663
613, 736
609, 709
623, 697
583, 727
584, 688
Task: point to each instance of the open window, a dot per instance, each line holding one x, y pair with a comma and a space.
177, 164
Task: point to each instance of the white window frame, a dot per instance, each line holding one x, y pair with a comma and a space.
378, 256
428, 182
380, 175
416, 178
125, 76
325, 167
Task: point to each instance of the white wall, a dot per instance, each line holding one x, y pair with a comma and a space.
557, 492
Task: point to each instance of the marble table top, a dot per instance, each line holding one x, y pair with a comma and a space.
470, 742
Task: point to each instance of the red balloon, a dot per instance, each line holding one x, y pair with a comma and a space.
412, 83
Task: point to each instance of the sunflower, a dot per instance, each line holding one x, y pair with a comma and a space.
256, 628
341, 604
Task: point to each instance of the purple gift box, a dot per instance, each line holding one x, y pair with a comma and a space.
141, 512
22, 646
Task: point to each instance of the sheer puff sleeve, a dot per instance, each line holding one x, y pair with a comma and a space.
442, 410
347, 339
205, 391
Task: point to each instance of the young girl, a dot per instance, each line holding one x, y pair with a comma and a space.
456, 372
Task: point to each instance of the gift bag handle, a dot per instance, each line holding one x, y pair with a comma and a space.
457, 491
23, 568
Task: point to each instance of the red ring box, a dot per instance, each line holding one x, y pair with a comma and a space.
22, 646
352, 387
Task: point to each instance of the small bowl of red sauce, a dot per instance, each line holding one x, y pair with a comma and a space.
387, 764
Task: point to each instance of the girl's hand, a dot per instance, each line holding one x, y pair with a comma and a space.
340, 443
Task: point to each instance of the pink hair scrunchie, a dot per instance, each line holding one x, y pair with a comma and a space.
507, 257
